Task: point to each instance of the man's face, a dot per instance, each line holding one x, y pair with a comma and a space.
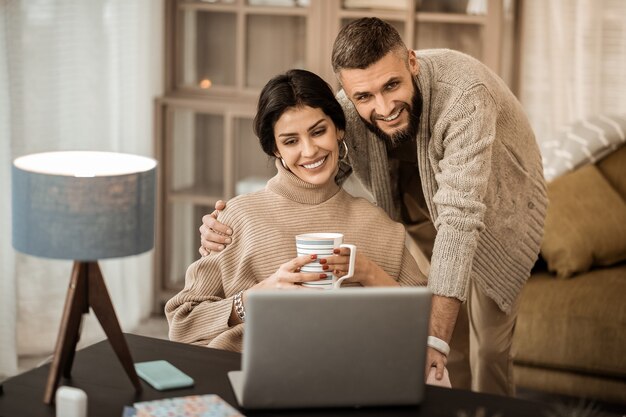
384, 95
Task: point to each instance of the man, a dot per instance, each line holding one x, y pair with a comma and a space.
438, 139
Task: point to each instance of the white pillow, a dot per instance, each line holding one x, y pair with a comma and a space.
585, 141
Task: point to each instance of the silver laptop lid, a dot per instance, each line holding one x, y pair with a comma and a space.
348, 347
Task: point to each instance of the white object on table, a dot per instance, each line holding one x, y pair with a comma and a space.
71, 402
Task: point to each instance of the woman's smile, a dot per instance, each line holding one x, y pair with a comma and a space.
316, 164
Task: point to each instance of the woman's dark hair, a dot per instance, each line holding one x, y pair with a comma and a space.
294, 88
364, 42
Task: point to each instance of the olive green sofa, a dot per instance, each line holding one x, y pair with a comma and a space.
571, 330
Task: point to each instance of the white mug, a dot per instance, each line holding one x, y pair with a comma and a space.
322, 245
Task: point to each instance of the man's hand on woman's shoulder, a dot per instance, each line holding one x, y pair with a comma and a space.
214, 236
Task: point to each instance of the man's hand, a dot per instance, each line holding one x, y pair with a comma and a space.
214, 236
435, 359
443, 382
443, 315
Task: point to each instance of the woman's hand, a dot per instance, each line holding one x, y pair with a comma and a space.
288, 275
366, 272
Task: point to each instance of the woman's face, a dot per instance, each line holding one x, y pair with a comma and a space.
307, 140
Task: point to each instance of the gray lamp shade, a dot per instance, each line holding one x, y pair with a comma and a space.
83, 206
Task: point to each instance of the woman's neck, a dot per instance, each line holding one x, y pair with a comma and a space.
290, 186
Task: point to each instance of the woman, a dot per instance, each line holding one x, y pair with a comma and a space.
300, 123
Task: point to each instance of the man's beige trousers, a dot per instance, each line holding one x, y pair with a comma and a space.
481, 358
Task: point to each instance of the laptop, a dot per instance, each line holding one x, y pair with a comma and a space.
351, 347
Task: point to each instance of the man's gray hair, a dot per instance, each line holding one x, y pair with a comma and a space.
364, 42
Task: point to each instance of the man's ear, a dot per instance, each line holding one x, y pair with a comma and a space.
413, 64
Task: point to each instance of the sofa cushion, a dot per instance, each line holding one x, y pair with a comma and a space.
577, 324
572, 384
585, 223
613, 167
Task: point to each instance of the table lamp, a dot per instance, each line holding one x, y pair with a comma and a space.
84, 206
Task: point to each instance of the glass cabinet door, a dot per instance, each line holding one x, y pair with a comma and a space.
466, 38
385, 5
450, 6
286, 34
180, 248
253, 167
208, 49
234, 47
197, 152
452, 24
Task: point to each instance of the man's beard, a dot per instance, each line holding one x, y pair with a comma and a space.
405, 135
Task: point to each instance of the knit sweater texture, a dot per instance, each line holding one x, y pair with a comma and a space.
264, 227
480, 171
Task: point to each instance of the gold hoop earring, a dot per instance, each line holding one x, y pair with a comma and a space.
345, 147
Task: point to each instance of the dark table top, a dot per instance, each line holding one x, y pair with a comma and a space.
97, 371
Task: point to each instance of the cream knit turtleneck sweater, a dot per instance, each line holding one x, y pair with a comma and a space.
264, 227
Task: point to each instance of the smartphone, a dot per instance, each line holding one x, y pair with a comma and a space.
162, 375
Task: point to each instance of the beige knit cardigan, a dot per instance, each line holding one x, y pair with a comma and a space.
481, 176
264, 227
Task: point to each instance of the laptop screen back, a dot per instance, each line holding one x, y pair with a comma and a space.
348, 347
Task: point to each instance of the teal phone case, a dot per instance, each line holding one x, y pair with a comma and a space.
162, 375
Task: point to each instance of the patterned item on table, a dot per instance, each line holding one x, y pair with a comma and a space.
210, 405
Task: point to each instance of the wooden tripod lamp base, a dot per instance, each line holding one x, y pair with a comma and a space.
87, 289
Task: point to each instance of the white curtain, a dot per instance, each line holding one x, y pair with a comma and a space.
8, 354
574, 61
74, 75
